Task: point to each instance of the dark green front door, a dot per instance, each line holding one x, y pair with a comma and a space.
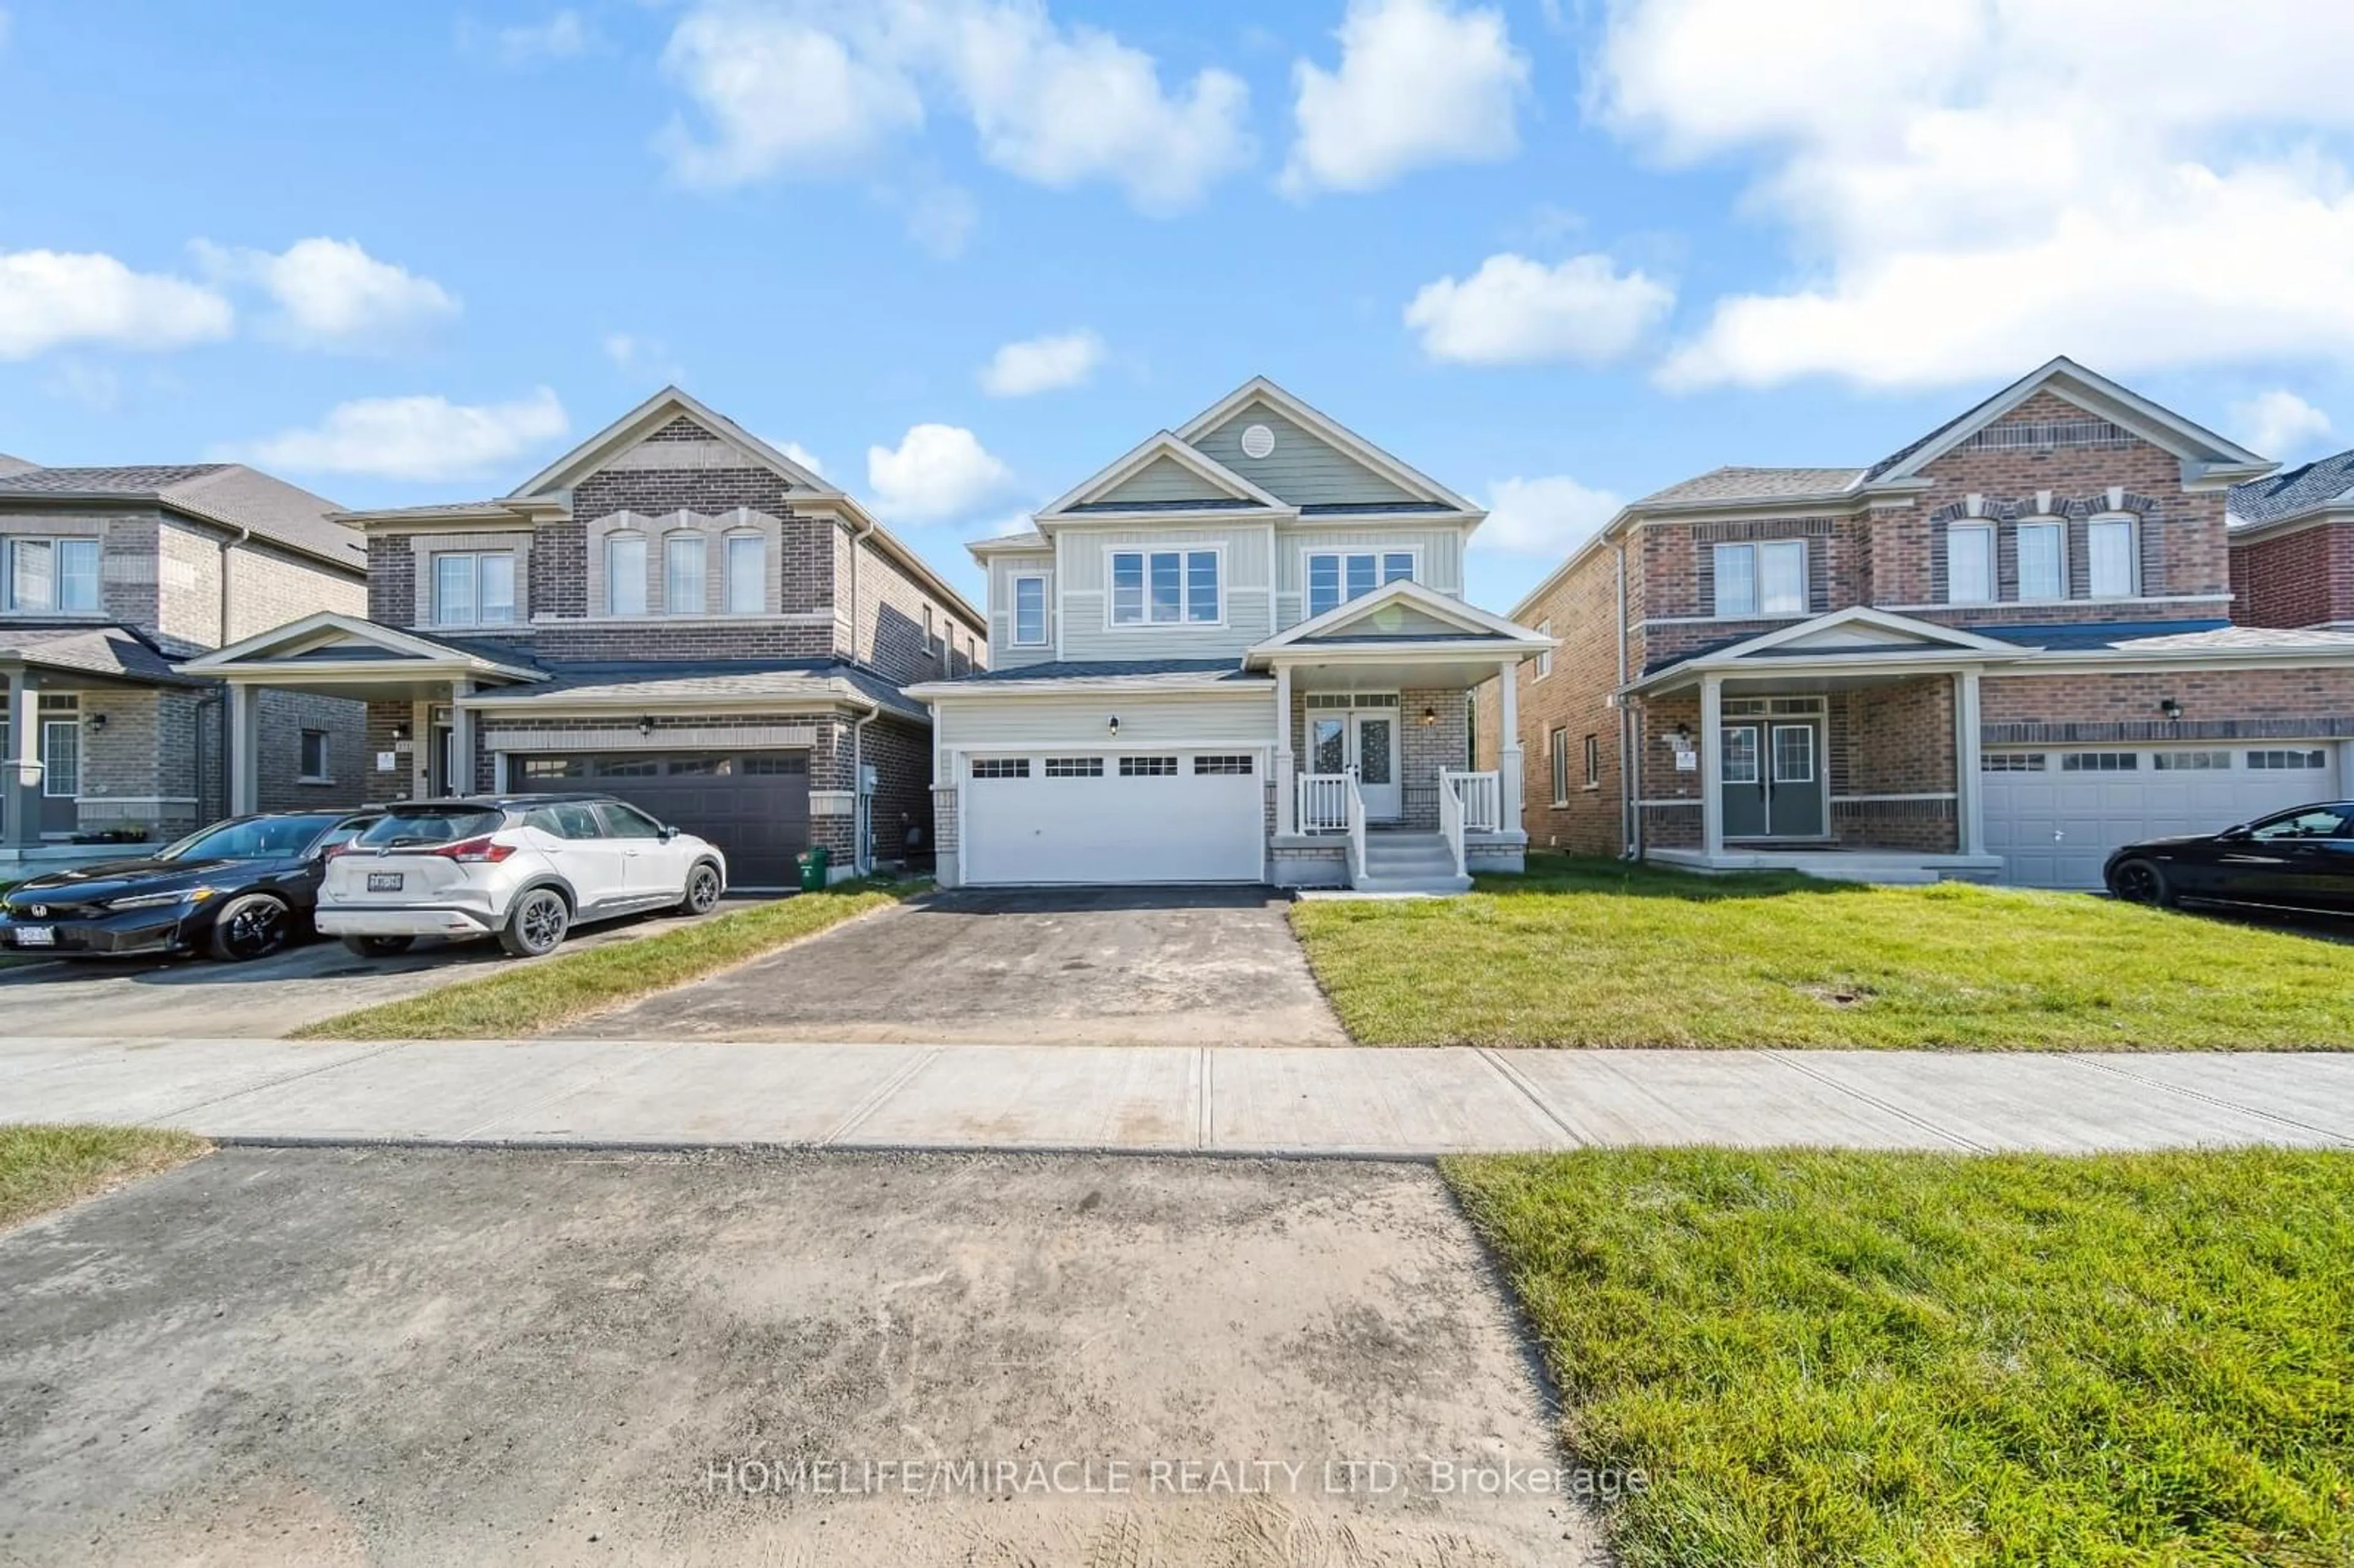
1771, 773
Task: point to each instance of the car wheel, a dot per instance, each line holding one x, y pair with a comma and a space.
379, 947
251, 926
702, 890
2139, 882
537, 924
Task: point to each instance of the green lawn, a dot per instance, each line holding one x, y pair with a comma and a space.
528, 999
45, 1166
1850, 1359
1598, 952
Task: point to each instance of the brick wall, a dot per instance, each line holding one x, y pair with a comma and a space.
281, 718
900, 752
2301, 578
144, 767
1583, 609
890, 614
2217, 705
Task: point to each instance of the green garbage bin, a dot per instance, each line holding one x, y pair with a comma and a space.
812, 862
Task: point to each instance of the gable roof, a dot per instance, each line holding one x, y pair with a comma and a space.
1755, 484
9, 465
2318, 485
1464, 620
370, 642
226, 494
1258, 388
122, 651
1162, 446
1857, 634
656, 412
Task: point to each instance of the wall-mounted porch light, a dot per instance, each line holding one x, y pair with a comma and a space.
1429, 717
1113, 725
645, 727
96, 723
1682, 734
2171, 709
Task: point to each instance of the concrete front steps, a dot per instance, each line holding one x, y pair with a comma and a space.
1410, 863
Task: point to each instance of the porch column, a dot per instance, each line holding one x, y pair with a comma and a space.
244, 752
1970, 807
1712, 747
1286, 780
1508, 748
23, 781
461, 738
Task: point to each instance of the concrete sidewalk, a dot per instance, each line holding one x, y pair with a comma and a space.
1163, 1099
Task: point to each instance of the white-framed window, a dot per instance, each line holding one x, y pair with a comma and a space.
2112, 558
1969, 564
474, 588
1761, 579
1336, 576
625, 574
61, 758
748, 574
56, 576
2100, 762
1074, 767
1030, 612
1545, 656
1148, 768
683, 574
314, 764
2010, 762
1000, 767
2286, 759
932, 632
1165, 588
2042, 560
1240, 764
1557, 758
1594, 762
1739, 763
2190, 761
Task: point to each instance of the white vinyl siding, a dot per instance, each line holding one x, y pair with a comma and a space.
1438, 555
1006, 648
1303, 469
1165, 588
1969, 564
1335, 577
1164, 479
1083, 599
2109, 549
1245, 721
1029, 610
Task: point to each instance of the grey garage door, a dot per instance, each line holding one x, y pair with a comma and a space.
753, 805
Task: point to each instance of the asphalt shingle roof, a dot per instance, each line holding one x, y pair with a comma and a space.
1754, 485
116, 651
1128, 672
675, 686
224, 493
2296, 490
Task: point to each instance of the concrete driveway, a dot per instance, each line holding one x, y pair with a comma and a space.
338, 1357
1166, 966
196, 998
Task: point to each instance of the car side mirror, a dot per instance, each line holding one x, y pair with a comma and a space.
2238, 831
668, 832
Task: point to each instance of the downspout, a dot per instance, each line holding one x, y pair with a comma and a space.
1631, 757
220, 697
862, 831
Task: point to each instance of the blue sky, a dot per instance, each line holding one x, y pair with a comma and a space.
1556, 255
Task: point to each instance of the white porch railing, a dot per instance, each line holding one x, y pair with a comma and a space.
1324, 802
1356, 833
1482, 795
1450, 819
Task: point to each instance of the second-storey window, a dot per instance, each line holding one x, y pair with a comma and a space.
748, 574
2043, 560
1336, 578
474, 588
2109, 558
1030, 612
1970, 565
56, 575
1163, 588
1545, 656
1762, 579
683, 574
625, 574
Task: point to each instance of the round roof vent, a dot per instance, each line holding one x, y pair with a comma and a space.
1257, 441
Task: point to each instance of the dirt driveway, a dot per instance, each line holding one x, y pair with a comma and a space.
1089, 966
197, 999
333, 1356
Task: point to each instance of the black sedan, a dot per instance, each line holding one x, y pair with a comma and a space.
2301, 860
237, 890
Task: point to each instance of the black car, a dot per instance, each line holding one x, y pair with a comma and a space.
2301, 859
236, 890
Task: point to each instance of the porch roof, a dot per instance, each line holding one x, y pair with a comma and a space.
1844, 643
1100, 674
348, 655
111, 653
693, 686
1401, 618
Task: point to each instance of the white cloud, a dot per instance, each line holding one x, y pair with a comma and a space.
1514, 310
1042, 365
814, 90
419, 437
801, 455
562, 37
1419, 83
1975, 187
50, 298
938, 472
940, 219
1549, 516
330, 294
2279, 424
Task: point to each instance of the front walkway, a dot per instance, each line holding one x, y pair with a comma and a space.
1160, 1099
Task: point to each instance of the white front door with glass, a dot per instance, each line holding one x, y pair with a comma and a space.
1363, 741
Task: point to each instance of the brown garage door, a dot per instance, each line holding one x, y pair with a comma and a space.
753, 805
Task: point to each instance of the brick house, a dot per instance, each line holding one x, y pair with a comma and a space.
2025, 639
673, 612
2292, 540
1238, 653
110, 577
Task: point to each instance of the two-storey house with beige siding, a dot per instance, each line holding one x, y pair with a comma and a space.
1999, 653
675, 612
110, 577
1238, 653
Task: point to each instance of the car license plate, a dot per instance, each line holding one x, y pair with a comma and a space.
384, 881
36, 936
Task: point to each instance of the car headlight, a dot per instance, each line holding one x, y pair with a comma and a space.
196, 894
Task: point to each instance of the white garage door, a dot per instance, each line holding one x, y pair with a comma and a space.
1114, 816
2054, 815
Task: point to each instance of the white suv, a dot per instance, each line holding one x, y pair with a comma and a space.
527, 868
